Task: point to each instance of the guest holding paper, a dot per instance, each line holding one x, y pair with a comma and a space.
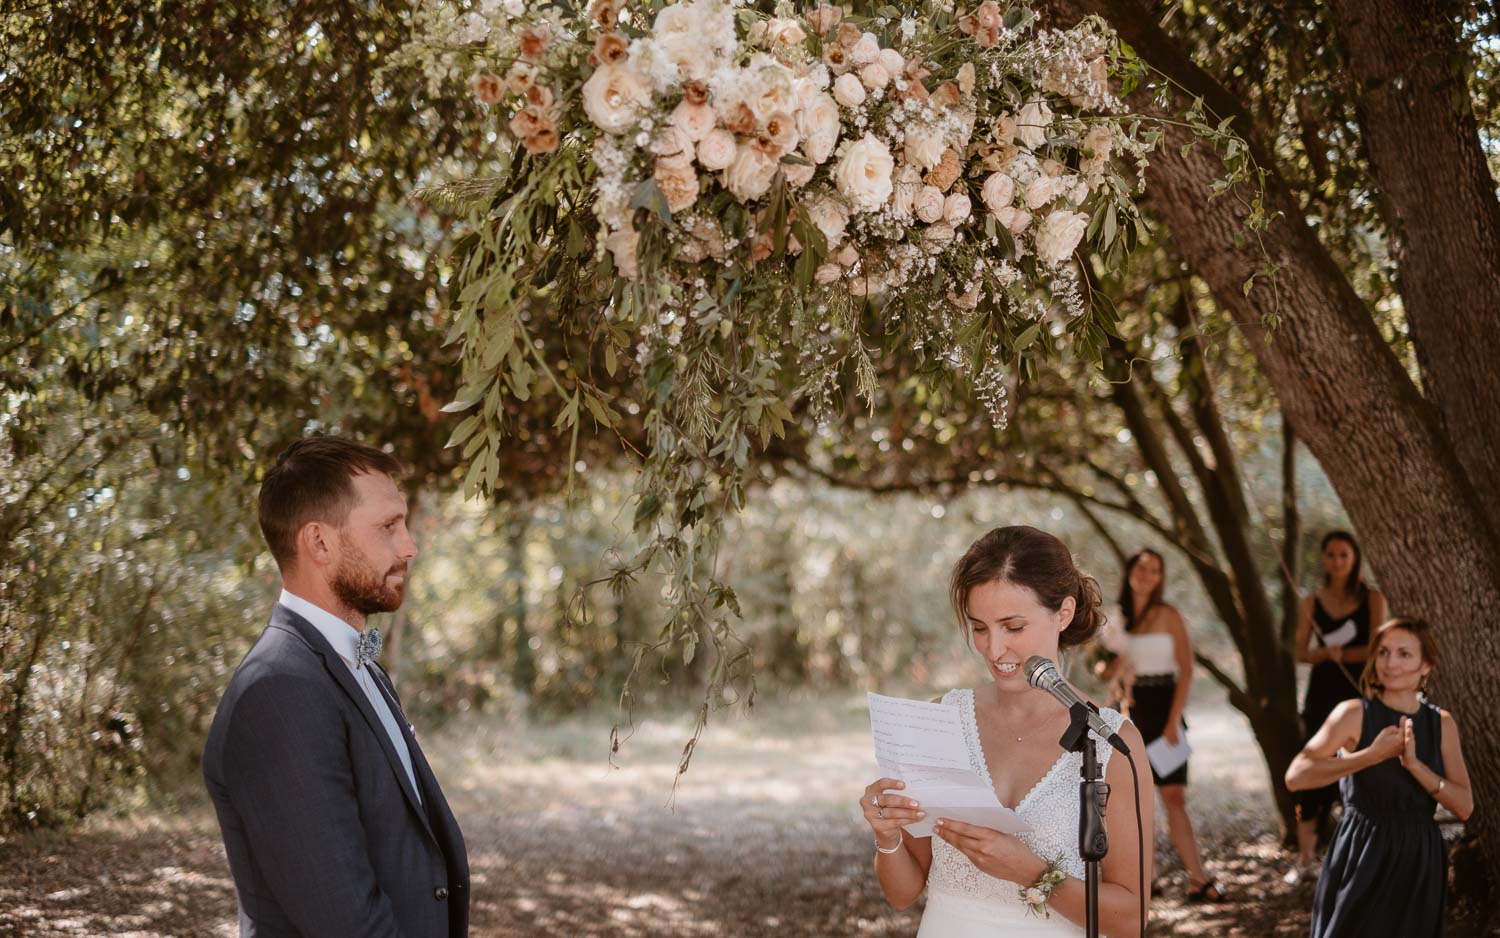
1396, 758
1154, 667
1016, 593
1333, 626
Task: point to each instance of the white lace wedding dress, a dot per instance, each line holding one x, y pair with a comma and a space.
963, 902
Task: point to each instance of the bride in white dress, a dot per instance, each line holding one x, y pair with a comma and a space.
1018, 593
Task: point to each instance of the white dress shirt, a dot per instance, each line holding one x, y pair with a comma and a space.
343, 637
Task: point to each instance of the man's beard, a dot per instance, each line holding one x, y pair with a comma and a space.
362, 589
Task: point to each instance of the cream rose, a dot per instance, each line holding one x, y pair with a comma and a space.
672, 147
749, 176
694, 120
613, 96
1014, 219
863, 174
929, 204
891, 61
1058, 235
829, 216
866, 50
819, 123
924, 147
1043, 189
938, 236
678, 182
622, 246
1032, 124
797, 174
956, 209
782, 32
848, 90
997, 192
716, 150
874, 76
908, 184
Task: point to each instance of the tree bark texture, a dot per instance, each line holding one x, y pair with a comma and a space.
1438, 199
1383, 445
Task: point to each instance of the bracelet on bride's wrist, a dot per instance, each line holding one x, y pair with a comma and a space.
1036, 895
900, 839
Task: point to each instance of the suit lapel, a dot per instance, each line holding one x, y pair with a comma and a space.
287, 619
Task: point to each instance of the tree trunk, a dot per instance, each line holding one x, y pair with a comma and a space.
1419, 132
1382, 445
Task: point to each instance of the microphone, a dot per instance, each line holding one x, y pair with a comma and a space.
1042, 674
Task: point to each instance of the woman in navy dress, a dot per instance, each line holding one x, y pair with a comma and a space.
1386, 873
1325, 621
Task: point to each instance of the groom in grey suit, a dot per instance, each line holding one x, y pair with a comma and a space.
333, 822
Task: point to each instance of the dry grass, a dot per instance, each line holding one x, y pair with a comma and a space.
762, 838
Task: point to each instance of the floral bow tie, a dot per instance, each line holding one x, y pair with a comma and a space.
367, 648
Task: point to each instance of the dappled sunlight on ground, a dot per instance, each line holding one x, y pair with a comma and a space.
760, 838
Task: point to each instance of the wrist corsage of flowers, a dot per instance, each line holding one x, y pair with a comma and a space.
1036, 895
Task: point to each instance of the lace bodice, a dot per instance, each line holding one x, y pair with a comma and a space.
1050, 807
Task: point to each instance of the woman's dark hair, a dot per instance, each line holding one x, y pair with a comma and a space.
1034, 559
1127, 594
313, 481
1369, 682
1355, 585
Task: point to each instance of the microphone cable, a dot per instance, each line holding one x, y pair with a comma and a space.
1140, 838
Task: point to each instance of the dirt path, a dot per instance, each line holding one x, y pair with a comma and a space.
762, 839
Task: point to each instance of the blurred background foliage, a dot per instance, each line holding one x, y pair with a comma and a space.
207, 250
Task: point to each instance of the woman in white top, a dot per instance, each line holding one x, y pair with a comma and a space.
1154, 673
1018, 593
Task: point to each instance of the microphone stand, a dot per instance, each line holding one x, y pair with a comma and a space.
1093, 796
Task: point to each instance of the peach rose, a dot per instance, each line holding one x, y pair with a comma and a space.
678, 182
717, 150
929, 204
749, 176
824, 19
997, 192
874, 76
849, 91
956, 209
694, 120
946, 172
611, 49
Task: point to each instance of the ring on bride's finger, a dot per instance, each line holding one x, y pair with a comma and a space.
880, 814
875, 801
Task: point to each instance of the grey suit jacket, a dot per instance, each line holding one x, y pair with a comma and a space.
325, 835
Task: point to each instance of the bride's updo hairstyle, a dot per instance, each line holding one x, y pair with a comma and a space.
1027, 557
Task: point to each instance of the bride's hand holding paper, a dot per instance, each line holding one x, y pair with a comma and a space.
1000, 855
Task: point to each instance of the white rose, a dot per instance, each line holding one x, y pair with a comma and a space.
1058, 235
613, 96
924, 147
848, 91
622, 247
866, 50
828, 273
672, 147
717, 149
874, 76
749, 176
1034, 896
891, 61
863, 174
695, 120
829, 216
956, 208
1032, 124
1041, 190
929, 204
819, 123
997, 192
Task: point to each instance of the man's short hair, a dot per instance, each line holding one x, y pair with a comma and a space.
313, 481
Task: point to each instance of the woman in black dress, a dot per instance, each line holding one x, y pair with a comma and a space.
1151, 677
1333, 629
1386, 872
